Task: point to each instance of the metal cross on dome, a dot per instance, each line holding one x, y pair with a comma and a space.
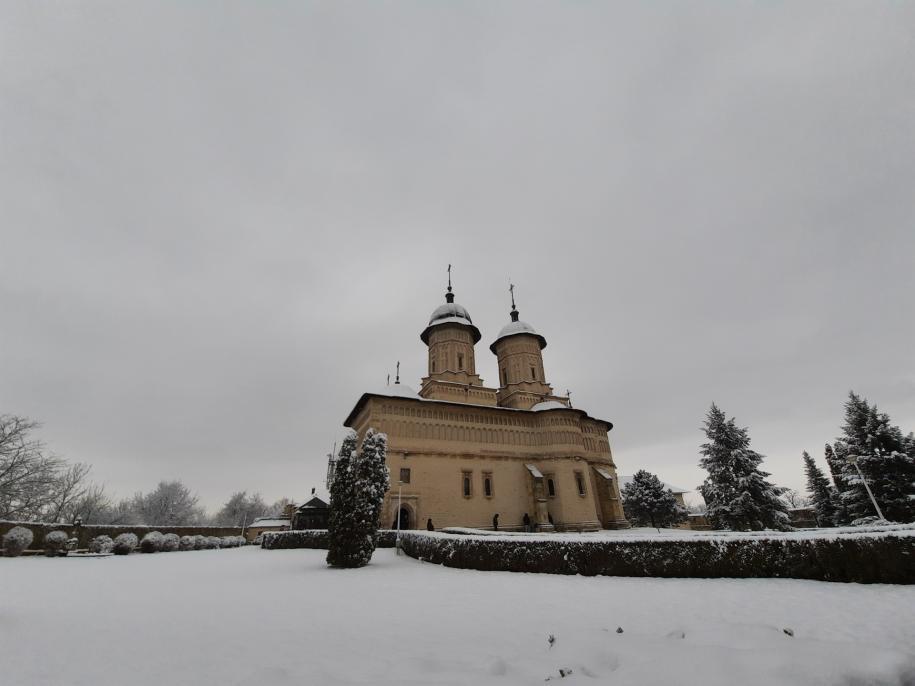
511, 289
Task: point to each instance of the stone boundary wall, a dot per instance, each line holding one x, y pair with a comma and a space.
863, 558
314, 538
87, 532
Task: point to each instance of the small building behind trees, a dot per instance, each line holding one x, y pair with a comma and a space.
311, 515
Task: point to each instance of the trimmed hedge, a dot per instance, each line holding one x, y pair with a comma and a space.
877, 558
16, 540
87, 532
314, 538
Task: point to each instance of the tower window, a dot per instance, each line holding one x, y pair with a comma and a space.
433, 366
534, 373
466, 484
504, 377
580, 482
460, 361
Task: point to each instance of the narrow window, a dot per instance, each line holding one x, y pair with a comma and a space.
433, 366
580, 482
534, 373
467, 485
504, 377
551, 487
487, 484
404, 475
460, 361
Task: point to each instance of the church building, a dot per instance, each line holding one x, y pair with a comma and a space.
460, 452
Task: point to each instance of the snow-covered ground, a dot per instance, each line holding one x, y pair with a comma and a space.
251, 616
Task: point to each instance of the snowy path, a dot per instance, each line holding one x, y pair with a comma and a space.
250, 616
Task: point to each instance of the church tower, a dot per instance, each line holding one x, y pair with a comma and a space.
522, 381
451, 336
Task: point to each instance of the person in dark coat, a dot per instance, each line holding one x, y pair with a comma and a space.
429, 526
527, 522
495, 522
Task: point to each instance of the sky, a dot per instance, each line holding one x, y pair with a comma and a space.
221, 223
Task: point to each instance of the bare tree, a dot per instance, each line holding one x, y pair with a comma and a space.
92, 507
172, 503
241, 508
28, 476
279, 506
69, 488
795, 499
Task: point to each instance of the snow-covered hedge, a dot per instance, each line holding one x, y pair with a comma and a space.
124, 544
16, 540
170, 542
151, 543
186, 543
313, 538
55, 543
867, 558
101, 544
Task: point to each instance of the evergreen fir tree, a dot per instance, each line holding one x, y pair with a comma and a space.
646, 501
822, 493
736, 491
885, 458
343, 543
370, 484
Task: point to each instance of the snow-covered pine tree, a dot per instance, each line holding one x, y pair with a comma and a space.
736, 491
886, 459
821, 492
370, 484
646, 501
343, 544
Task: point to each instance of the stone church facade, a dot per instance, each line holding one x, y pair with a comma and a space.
460, 452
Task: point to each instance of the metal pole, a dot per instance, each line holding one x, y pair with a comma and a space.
868, 488
399, 503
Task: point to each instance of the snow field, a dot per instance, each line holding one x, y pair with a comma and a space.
249, 616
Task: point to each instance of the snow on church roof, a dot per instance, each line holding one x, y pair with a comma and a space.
513, 329
549, 405
398, 390
449, 311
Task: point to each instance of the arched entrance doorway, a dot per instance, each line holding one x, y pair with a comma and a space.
404, 517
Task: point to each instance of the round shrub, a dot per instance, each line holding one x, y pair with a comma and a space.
151, 542
124, 544
186, 543
226, 542
17, 540
200, 542
55, 543
101, 544
170, 543
213, 542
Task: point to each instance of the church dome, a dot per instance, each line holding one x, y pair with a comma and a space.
450, 313
513, 328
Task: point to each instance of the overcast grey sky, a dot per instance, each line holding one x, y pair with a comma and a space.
223, 222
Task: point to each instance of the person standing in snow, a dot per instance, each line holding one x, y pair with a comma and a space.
527, 522
429, 526
495, 522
